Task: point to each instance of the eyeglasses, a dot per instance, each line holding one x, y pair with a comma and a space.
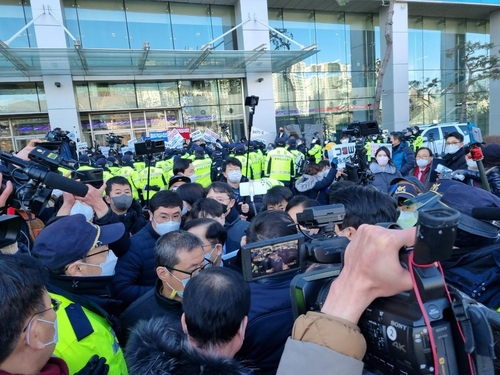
195, 272
54, 305
99, 252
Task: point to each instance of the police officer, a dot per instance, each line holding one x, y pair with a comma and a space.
156, 181
280, 164
256, 160
299, 156
81, 266
241, 155
202, 167
315, 152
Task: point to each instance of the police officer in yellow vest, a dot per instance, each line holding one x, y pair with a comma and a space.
280, 163
81, 267
256, 160
241, 155
202, 167
156, 181
315, 152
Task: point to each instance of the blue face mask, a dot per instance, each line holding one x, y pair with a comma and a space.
167, 227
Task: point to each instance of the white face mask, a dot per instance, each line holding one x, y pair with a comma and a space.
184, 283
108, 266
422, 163
193, 178
54, 340
80, 208
234, 176
382, 160
167, 227
451, 149
471, 164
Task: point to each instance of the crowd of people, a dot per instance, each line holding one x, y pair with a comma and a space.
143, 274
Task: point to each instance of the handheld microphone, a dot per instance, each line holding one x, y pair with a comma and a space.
57, 181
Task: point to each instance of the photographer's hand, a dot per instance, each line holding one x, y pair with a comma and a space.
371, 270
23, 154
4, 197
94, 199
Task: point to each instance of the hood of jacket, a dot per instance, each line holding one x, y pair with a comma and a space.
154, 348
375, 168
307, 182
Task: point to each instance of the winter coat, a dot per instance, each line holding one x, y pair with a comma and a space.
270, 323
403, 158
493, 176
383, 176
236, 229
155, 348
323, 344
54, 366
135, 272
133, 219
314, 187
456, 161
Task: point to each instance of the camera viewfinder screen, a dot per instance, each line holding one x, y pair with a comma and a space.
273, 259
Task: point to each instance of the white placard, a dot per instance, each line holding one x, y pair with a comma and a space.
196, 135
341, 154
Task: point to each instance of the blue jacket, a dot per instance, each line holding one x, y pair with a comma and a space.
236, 229
135, 272
404, 158
270, 323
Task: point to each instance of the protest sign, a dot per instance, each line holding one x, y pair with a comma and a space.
375, 146
341, 154
196, 135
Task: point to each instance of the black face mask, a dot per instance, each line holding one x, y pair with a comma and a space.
224, 208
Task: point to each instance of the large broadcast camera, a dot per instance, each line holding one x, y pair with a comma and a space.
417, 332
59, 140
114, 139
34, 180
358, 170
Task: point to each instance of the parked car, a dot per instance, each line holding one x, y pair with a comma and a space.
434, 135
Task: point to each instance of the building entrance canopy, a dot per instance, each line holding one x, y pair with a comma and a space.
35, 62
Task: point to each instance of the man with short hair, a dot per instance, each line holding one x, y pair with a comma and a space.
277, 198
212, 234
216, 307
207, 208
454, 151
363, 205
122, 206
179, 256
184, 167
402, 155
135, 271
224, 194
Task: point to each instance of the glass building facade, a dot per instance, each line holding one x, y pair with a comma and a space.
334, 87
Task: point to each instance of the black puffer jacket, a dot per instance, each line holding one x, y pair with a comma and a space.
155, 348
493, 176
456, 161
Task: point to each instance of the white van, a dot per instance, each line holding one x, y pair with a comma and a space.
434, 135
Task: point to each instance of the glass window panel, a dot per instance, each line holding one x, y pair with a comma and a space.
275, 17
199, 118
21, 143
82, 96
85, 123
298, 26
223, 21
432, 43
101, 138
71, 20
232, 115
149, 21
281, 109
280, 86
156, 120
112, 95
191, 25
19, 97
31, 29
30, 126
169, 93
148, 95
6, 144
11, 21
111, 121
138, 120
41, 97
230, 91
360, 43
198, 93
5, 129
331, 38
415, 43
140, 134
102, 24
333, 85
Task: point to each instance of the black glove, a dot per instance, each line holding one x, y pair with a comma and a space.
95, 366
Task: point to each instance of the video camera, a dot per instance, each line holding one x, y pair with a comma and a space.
362, 129
149, 147
113, 139
33, 181
419, 331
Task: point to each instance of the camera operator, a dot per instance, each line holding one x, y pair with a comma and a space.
363, 205
330, 342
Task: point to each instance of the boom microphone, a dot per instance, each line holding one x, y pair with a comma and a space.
486, 213
57, 181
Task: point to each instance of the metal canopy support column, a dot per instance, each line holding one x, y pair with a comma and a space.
83, 60
144, 57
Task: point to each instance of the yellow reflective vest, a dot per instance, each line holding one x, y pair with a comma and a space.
203, 171
280, 164
156, 181
316, 152
84, 333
